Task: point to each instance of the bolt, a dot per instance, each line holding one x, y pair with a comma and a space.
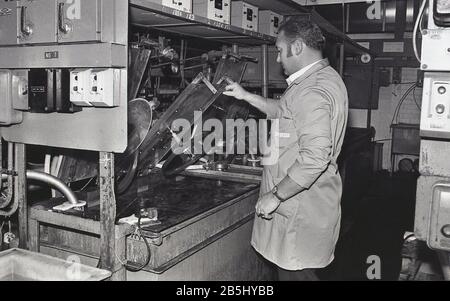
424, 32
424, 66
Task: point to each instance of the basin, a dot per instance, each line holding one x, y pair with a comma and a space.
22, 265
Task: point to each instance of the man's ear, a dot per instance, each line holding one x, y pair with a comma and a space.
297, 47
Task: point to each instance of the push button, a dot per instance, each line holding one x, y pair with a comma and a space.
446, 231
440, 109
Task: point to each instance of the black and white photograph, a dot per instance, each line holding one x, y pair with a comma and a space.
222, 148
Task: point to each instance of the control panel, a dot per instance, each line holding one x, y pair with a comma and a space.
435, 115
183, 5
436, 38
63, 73
439, 236
217, 10
244, 15
269, 22
96, 87
27, 22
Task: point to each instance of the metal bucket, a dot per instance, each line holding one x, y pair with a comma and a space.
22, 265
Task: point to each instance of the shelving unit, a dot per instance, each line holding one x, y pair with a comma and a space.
151, 15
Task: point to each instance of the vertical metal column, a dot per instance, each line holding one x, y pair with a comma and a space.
341, 59
108, 258
369, 110
265, 70
20, 193
235, 49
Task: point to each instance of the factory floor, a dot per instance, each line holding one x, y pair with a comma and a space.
374, 224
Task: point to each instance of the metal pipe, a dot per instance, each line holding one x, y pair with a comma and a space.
265, 70
235, 48
45, 178
54, 182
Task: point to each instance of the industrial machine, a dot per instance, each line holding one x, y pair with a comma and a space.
93, 94
432, 221
89, 97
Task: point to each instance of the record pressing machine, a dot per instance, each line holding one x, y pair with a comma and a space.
121, 199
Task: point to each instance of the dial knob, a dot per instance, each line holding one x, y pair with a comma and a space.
440, 109
446, 231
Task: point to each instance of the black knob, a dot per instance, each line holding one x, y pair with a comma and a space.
446, 231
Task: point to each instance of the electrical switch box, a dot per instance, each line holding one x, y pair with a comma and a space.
8, 115
104, 87
435, 55
435, 115
183, 5
8, 23
244, 15
40, 90
37, 21
96, 87
269, 22
62, 92
79, 83
91, 20
217, 10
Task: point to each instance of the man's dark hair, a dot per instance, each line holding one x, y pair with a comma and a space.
300, 27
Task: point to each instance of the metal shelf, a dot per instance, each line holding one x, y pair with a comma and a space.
151, 15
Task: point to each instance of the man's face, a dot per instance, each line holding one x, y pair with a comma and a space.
285, 54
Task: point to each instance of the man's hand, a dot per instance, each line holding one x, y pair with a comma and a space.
267, 205
235, 90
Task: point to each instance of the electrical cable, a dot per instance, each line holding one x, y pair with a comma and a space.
127, 266
400, 103
86, 185
147, 260
416, 27
415, 100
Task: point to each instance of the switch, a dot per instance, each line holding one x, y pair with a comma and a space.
79, 80
105, 87
440, 109
446, 231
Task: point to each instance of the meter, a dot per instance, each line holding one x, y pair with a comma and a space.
441, 13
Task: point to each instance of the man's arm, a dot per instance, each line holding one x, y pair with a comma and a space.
313, 123
312, 117
268, 106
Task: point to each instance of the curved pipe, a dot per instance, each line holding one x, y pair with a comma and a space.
52, 181
55, 183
